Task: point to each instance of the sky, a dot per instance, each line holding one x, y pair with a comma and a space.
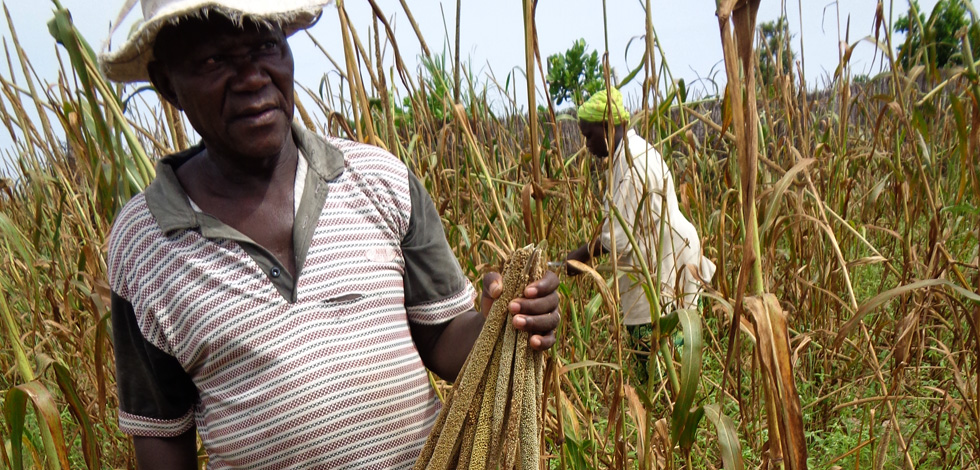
492, 35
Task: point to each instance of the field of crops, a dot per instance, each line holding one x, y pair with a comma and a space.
841, 330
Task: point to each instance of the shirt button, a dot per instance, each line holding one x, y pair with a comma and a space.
274, 272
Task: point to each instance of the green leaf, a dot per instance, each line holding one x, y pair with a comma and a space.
690, 430
890, 294
574, 75
731, 448
15, 413
575, 453
13, 335
690, 371
962, 209
90, 448
668, 322
588, 363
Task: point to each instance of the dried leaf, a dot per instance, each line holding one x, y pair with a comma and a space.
776, 358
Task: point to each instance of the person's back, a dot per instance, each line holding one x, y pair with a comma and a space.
644, 191
642, 195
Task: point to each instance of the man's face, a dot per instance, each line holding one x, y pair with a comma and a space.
595, 137
234, 83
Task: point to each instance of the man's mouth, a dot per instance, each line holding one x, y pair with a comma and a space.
259, 116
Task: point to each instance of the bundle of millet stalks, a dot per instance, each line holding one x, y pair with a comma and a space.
490, 419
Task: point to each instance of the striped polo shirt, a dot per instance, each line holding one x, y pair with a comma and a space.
319, 371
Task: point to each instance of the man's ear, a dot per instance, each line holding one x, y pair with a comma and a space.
161, 82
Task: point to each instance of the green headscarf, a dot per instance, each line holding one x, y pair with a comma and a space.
594, 110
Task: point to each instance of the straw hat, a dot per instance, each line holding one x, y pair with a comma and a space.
128, 63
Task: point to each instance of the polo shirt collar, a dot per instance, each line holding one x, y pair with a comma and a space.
168, 202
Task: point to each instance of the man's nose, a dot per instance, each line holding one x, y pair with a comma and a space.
249, 75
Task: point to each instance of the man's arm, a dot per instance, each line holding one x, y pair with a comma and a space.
167, 453
149, 381
584, 254
444, 347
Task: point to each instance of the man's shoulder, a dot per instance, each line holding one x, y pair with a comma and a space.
369, 163
132, 225
331, 156
645, 155
365, 156
640, 146
131, 217
375, 174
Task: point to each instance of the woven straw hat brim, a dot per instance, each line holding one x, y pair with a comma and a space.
129, 62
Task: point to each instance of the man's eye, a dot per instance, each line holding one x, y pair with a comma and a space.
268, 45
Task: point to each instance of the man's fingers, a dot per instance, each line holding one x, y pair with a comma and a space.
542, 342
537, 323
542, 287
493, 285
534, 307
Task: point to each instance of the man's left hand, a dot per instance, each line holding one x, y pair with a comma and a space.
535, 311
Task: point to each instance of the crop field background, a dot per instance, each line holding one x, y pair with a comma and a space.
841, 330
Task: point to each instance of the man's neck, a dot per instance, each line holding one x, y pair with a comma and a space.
226, 176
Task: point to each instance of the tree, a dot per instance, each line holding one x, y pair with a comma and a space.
775, 54
936, 38
574, 75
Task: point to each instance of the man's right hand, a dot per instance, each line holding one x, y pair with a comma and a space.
581, 254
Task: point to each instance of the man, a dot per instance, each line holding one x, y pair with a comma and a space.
279, 293
642, 191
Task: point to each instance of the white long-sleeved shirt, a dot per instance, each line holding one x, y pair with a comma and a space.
640, 176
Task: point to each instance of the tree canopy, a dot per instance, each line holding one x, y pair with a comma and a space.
936, 40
